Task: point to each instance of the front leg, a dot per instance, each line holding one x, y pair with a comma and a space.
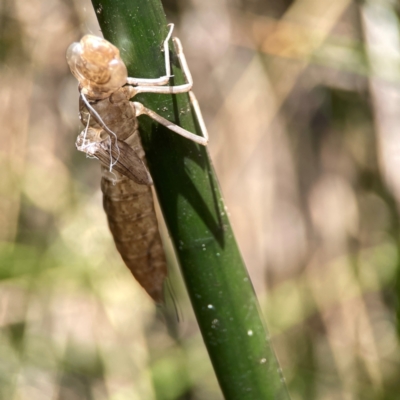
163, 80
134, 90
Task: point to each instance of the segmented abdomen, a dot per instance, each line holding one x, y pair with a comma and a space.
133, 223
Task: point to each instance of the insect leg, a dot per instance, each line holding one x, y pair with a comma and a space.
163, 80
141, 109
199, 115
133, 91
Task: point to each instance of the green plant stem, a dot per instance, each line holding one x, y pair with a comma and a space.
216, 278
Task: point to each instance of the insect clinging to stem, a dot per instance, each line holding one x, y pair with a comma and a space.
111, 135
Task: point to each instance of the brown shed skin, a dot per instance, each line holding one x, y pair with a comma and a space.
127, 196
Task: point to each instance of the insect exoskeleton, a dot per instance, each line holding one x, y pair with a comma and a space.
97, 65
111, 134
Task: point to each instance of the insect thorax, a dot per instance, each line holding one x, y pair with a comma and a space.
116, 113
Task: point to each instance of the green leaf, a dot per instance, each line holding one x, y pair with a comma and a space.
216, 278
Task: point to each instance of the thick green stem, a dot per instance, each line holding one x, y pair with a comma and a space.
216, 278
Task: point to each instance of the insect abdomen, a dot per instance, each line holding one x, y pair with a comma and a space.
133, 223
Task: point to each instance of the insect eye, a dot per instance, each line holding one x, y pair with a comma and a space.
98, 50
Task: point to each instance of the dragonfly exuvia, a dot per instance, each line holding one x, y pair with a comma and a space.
111, 135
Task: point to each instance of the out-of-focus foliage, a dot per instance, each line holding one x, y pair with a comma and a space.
302, 102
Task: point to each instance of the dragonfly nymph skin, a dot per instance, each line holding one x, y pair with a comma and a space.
111, 134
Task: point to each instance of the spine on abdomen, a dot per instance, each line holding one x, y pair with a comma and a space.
133, 224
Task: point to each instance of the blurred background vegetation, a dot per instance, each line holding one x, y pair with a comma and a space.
302, 101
